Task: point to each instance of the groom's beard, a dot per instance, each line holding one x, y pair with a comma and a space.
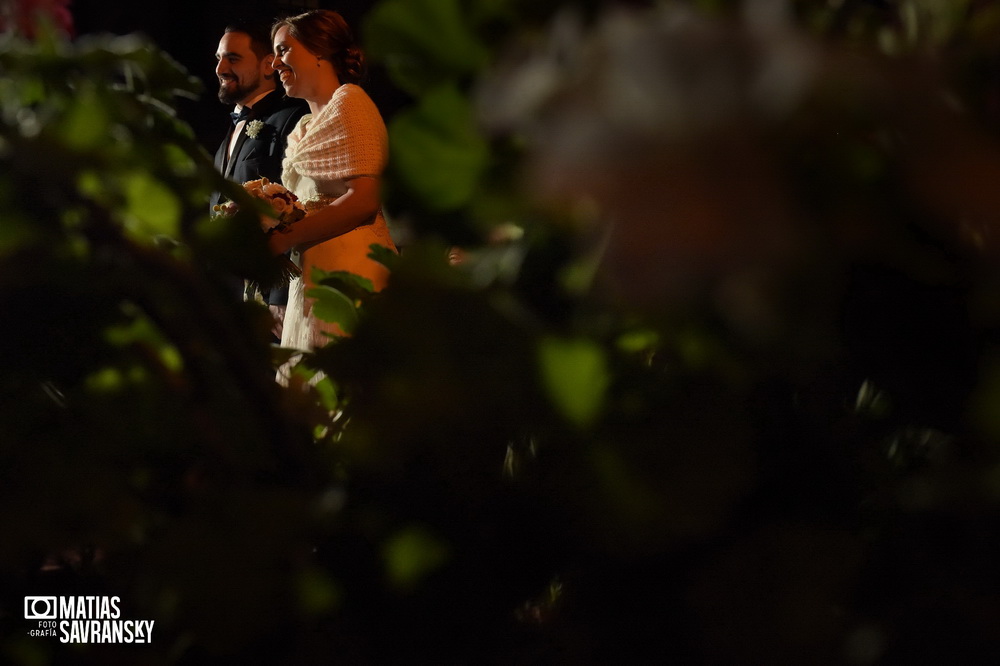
235, 92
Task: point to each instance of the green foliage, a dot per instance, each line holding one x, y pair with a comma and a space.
445, 172
714, 380
137, 389
412, 554
738, 298
424, 43
333, 306
438, 131
575, 375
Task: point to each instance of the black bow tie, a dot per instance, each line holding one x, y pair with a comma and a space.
242, 115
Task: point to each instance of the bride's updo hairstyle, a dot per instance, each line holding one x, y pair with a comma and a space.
327, 34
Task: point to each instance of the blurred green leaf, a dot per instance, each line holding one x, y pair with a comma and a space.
105, 380
383, 255
423, 42
411, 554
151, 207
638, 340
326, 391
181, 163
86, 124
140, 330
438, 153
333, 306
576, 376
352, 285
318, 592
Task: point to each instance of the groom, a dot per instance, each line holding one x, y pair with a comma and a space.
262, 116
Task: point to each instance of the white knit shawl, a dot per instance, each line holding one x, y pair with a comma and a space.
345, 140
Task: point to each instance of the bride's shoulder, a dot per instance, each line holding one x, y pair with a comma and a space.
354, 101
300, 128
349, 90
351, 94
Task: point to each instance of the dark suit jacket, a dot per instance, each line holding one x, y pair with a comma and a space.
260, 157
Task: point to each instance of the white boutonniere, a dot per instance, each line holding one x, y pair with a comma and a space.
253, 128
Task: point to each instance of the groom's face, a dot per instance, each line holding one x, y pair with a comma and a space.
240, 71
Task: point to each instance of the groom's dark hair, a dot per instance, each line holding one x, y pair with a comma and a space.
258, 31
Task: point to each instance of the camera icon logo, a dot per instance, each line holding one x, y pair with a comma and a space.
40, 608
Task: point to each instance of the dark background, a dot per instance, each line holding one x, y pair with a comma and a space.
191, 36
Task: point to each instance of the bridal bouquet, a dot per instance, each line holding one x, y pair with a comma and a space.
288, 210
286, 205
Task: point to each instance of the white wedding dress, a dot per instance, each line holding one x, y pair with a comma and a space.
346, 140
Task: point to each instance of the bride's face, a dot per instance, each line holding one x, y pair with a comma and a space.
297, 67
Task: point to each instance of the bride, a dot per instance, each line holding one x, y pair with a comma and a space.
333, 163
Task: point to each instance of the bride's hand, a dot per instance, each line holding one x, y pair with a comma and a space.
267, 222
278, 243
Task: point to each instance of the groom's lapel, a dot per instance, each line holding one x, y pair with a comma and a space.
220, 154
235, 157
